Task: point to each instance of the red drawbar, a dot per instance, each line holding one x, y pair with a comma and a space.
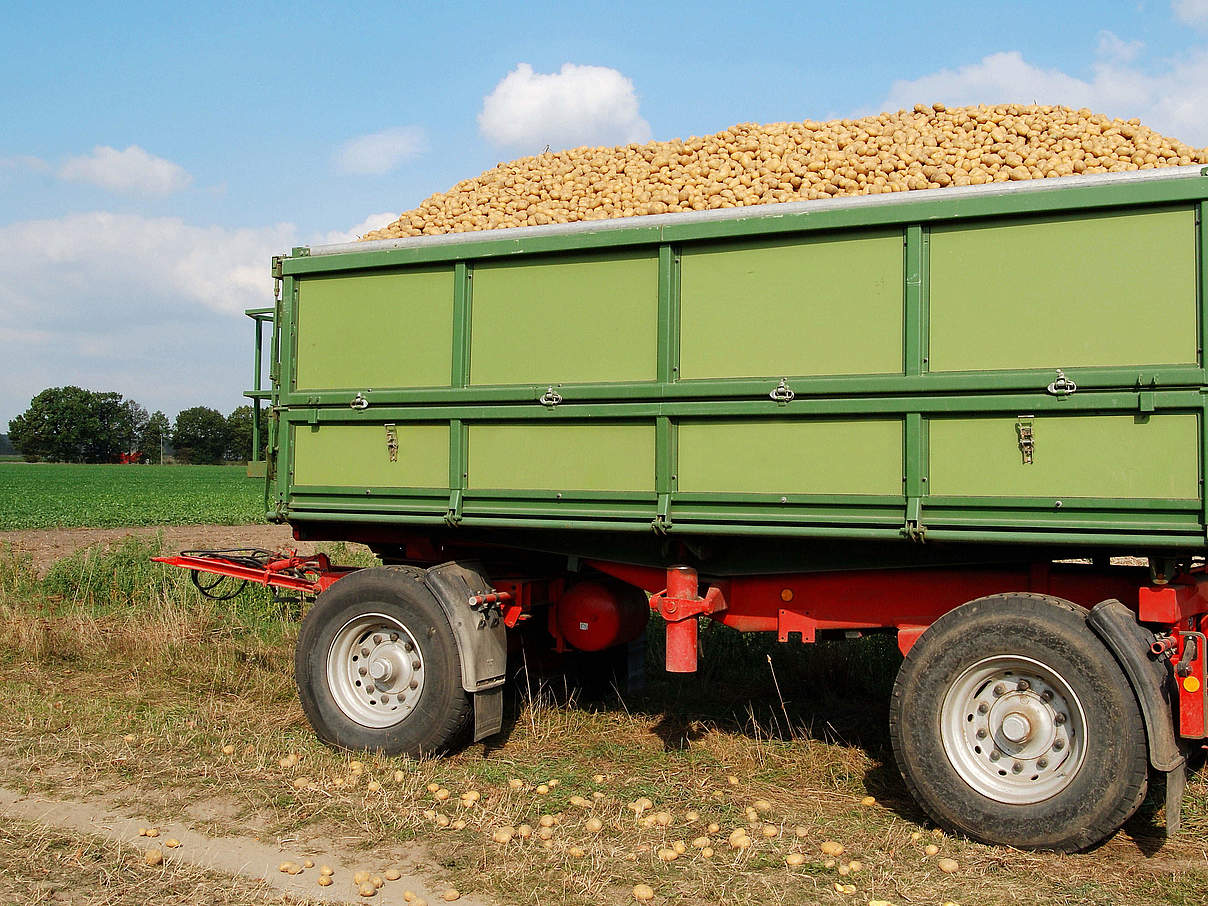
309, 575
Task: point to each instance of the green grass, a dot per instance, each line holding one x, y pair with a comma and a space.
64, 496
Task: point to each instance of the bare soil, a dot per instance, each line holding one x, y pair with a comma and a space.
45, 546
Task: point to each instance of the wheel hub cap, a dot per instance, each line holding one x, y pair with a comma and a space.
1013, 729
374, 670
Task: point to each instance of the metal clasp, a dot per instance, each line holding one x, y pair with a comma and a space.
550, 398
1062, 386
781, 392
392, 443
359, 402
1027, 441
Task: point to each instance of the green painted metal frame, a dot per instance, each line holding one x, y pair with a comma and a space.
913, 394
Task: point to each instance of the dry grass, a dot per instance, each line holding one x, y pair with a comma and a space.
102, 698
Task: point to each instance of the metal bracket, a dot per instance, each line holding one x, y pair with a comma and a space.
392, 443
914, 530
550, 398
278, 278
782, 393
662, 521
359, 402
1062, 386
1027, 440
453, 516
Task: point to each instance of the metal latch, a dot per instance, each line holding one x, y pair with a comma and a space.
277, 278
1027, 442
359, 402
781, 393
1062, 386
550, 398
392, 443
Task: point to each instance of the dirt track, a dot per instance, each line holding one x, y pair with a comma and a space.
45, 546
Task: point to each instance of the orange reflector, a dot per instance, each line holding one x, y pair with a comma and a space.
786, 595
1191, 684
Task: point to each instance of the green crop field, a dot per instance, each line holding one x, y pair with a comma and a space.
61, 496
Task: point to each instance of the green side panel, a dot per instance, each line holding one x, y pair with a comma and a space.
376, 330
805, 306
567, 319
785, 456
1112, 456
1099, 290
358, 456
600, 456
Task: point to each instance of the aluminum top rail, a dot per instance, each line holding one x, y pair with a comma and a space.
768, 211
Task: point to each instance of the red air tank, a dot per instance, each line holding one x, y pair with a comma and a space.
594, 615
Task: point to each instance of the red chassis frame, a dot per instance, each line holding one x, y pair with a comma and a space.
905, 600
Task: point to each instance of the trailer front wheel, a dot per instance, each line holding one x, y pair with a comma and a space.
378, 668
1013, 724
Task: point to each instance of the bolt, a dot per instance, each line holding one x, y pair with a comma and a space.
1058, 745
995, 755
981, 733
407, 646
361, 670
1060, 719
414, 684
998, 689
385, 698
415, 665
394, 636
1023, 686
364, 652
1046, 696
1016, 768
983, 708
1042, 763
377, 640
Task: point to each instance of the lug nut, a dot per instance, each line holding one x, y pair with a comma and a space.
1059, 719
995, 755
1023, 686
377, 640
998, 689
394, 636
1042, 763
414, 684
364, 652
407, 646
1016, 768
983, 708
981, 733
1046, 696
385, 698
361, 670
415, 665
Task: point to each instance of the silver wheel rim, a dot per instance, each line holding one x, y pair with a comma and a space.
1013, 729
375, 671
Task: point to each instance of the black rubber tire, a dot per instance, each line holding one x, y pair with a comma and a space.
1112, 781
443, 710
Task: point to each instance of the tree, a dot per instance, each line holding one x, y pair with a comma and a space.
239, 436
6, 448
154, 435
200, 436
70, 424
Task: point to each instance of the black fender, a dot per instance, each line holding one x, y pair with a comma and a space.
1150, 678
481, 639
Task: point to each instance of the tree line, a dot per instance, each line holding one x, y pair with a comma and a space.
70, 424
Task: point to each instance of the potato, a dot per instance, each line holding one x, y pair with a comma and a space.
153, 857
324, 881
643, 893
928, 147
931, 849
947, 866
594, 825
450, 895
366, 889
794, 859
831, 848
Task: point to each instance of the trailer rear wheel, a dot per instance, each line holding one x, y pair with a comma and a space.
1012, 723
377, 666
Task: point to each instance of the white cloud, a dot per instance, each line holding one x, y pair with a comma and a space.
133, 170
381, 152
23, 162
578, 105
372, 222
1170, 99
1113, 47
1193, 12
149, 307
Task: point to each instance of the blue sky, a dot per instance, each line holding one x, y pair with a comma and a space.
153, 156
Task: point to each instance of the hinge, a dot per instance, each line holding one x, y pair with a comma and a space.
662, 520
453, 516
914, 529
1027, 440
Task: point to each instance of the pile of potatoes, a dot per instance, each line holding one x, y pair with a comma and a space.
929, 147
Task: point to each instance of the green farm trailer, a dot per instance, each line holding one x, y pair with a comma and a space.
974, 417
